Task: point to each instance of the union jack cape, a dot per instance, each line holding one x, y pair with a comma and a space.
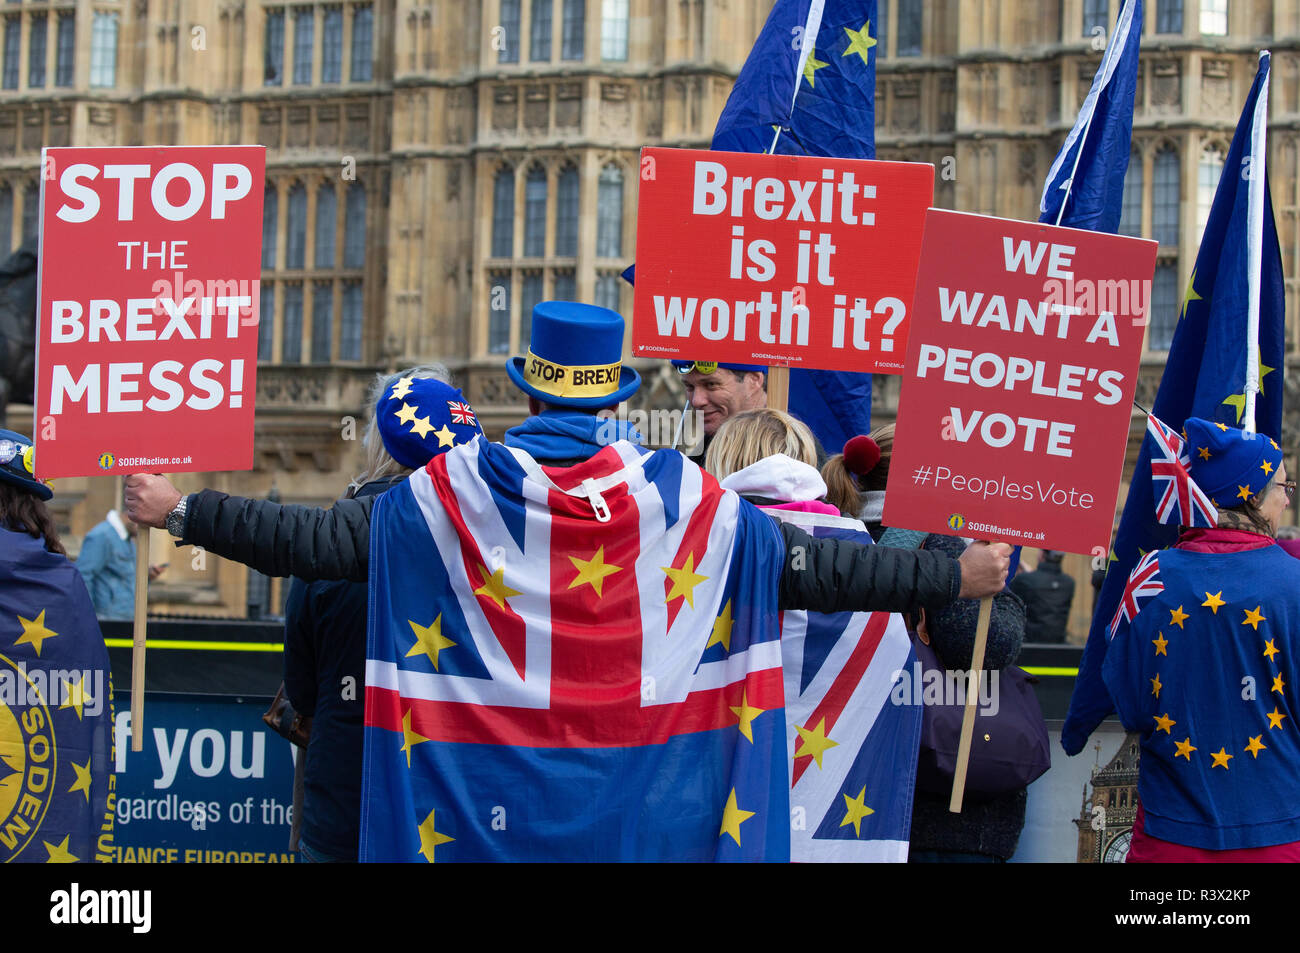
575, 663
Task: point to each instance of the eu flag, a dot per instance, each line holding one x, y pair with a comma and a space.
1085, 187
1207, 371
809, 88
55, 719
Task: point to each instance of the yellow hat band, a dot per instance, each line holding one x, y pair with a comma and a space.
560, 380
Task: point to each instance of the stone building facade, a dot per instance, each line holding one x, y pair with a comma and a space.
435, 166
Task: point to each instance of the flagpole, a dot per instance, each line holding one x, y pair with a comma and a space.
1255, 243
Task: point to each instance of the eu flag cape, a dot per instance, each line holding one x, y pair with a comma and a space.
56, 720
1205, 376
574, 664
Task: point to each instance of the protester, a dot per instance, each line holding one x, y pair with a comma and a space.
55, 702
481, 497
719, 391
1047, 594
855, 482
107, 564
986, 831
768, 457
1206, 669
325, 621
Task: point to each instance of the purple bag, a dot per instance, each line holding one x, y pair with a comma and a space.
1009, 749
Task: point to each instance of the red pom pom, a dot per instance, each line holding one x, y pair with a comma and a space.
861, 454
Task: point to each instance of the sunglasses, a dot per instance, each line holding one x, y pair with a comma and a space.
704, 367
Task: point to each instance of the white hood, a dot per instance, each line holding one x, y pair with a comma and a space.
778, 477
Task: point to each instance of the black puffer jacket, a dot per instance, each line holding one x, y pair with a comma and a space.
827, 575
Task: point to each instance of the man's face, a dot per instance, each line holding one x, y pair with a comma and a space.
721, 394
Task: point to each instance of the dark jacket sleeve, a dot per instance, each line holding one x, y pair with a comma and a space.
836, 575
299, 649
283, 539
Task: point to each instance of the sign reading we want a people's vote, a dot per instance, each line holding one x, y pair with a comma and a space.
150, 260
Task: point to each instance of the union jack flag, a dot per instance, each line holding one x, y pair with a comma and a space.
577, 663
1143, 583
1180, 501
461, 413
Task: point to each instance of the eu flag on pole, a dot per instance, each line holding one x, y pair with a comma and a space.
1220, 350
809, 88
578, 664
1085, 187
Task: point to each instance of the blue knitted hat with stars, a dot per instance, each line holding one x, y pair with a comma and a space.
421, 417
1230, 465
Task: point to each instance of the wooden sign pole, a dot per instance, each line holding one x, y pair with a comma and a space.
137, 638
972, 700
778, 388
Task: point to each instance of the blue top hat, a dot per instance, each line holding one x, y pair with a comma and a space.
575, 357
708, 367
1230, 465
18, 464
421, 417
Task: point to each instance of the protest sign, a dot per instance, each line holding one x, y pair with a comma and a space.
781, 260
149, 261
1021, 367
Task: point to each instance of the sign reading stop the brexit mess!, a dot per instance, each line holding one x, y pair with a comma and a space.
779, 260
150, 261
1021, 366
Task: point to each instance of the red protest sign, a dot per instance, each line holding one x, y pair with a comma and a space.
778, 260
1021, 367
150, 260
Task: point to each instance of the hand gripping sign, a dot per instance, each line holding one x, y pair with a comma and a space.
1021, 366
149, 261
779, 260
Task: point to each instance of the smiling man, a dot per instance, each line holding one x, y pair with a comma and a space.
718, 391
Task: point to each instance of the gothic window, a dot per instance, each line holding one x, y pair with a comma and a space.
566, 213
1096, 16
535, 213
36, 51
499, 312
530, 295
1130, 219
609, 213
613, 30
573, 29
13, 43
1169, 16
362, 40
608, 291
539, 42
295, 249
1165, 186
1208, 171
503, 214
273, 55
65, 43
908, 31
565, 286
331, 60
1214, 17
322, 321
509, 23
270, 225
266, 323
326, 225
350, 333
304, 26
31, 210
291, 336
103, 50
354, 227
881, 28
1164, 307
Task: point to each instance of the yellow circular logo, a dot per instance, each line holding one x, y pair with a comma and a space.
106, 460
956, 521
27, 761
706, 367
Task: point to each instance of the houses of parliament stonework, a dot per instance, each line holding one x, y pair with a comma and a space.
434, 167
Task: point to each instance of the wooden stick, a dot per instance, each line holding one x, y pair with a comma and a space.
972, 700
137, 641
778, 388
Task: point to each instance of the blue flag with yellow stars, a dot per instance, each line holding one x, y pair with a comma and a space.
55, 717
808, 88
1088, 174
1205, 376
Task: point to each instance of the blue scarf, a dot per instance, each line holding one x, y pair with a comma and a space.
568, 435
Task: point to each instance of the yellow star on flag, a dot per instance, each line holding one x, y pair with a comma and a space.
747, 714
402, 387
430, 838
684, 580
60, 854
1185, 749
1223, 427
1278, 685
1244, 492
1177, 616
1253, 618
446, 436
1255, 746
1266, 467
494, 586
1155, 685
733, 817
410, 737
1165, 723
1275, 719
429, 640
421, 427
1204, 452
593, 571
34, 632
406, 415
82, 783
815, 742
856, 811
1160, 645
860, 41
1212, 602
75, 696
1238, 403
1270, 650
811, 67
1221, 759
722, 629
1191, 295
